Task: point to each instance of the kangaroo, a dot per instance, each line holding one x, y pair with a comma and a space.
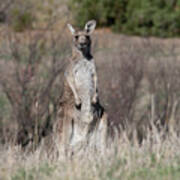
81, 101
81, 75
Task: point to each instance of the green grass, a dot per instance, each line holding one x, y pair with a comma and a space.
156, 173
4, 105
45, 170
116, 171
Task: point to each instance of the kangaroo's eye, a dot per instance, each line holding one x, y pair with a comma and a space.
76, 37
87, 37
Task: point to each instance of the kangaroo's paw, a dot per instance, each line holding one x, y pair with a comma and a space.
95, 99
78, 104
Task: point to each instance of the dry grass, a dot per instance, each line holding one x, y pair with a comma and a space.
157, 157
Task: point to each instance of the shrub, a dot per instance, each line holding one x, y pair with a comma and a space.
139, 17
106, 12
31, 85
21, 15
156, 18
21, 20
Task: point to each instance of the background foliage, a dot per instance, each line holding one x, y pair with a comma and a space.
138, 17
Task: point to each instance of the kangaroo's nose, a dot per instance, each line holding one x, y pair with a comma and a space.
82, 43
82, 39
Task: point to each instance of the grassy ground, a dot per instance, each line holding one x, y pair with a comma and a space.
157, 158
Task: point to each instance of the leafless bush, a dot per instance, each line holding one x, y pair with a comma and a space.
4, 9
139, 84
30, 77
120, 82
163, 73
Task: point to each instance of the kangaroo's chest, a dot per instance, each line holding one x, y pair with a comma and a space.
84, 71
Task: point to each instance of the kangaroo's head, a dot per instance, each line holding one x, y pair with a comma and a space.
82, 39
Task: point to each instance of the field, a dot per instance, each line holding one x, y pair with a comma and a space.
133, 73
138, 82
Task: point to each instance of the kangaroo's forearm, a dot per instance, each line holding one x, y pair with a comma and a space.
95, 96
73, 88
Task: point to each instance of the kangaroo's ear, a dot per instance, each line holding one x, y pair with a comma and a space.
90, 26
72, 30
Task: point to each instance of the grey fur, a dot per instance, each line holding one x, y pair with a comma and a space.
83, 127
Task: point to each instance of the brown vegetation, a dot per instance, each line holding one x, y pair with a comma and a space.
139, 81
31, 81
138, 78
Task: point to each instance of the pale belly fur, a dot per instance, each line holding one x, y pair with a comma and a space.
84, 72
